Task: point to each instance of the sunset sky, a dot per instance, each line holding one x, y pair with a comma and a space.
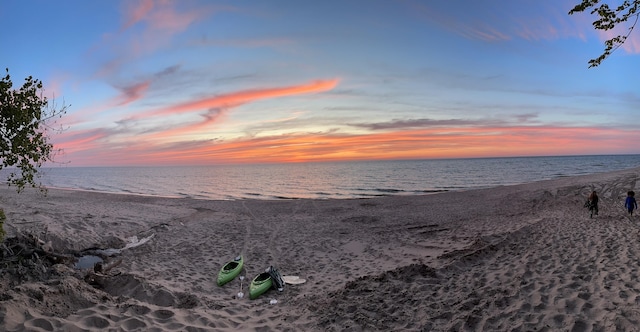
194, 82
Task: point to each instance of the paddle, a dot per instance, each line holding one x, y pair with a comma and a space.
293, 280
240, 293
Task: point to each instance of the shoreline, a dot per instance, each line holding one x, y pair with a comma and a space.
523, 256
330, 180
284, 198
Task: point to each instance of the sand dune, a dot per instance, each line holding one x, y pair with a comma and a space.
521, 258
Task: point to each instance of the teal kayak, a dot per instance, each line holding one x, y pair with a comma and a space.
260, 284
230, 270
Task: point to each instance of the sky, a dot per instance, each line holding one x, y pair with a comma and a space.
201, 82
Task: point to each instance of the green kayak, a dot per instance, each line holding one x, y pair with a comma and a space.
230, 270
260, 284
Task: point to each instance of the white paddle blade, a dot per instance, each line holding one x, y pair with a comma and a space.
293, 280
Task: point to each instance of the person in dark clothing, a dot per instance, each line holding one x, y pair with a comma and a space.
592, 203
630, 203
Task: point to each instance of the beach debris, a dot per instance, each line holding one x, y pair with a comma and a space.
26, 245
132, 242
25, 257
99, 276
276, 278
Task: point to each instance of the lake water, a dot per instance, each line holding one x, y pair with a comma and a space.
329, 180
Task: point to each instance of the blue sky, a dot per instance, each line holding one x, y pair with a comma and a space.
206, 82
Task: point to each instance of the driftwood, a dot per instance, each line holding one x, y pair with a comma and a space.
99, 276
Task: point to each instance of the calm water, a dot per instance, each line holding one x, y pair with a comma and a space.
330, 180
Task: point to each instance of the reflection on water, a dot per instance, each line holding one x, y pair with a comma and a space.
329, 180
87, 262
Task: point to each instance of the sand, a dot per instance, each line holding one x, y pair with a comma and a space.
512, 258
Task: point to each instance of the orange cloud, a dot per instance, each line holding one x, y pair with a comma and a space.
215, 108
218, 106
242, 97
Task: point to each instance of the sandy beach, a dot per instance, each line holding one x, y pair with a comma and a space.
513, 258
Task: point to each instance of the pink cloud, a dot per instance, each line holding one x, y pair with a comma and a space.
631, 45
73, 142
161, 15
53, 88
167, 19
136, 12
157, 22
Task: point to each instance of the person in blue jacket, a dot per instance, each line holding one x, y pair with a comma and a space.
630, 203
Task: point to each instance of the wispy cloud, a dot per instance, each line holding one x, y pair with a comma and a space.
242, 97
502, 22
132, 93
79, 141
460, 123
160, 15
414, 123
243, 43
148, 26
469, 29
136, 11
584, 27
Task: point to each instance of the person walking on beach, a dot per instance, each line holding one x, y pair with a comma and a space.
630, 203
592, 203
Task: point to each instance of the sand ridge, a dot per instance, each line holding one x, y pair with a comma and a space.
524, 257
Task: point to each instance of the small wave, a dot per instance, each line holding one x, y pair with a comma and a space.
284, 197
329, 180
431, 191
383, 190
374, 195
